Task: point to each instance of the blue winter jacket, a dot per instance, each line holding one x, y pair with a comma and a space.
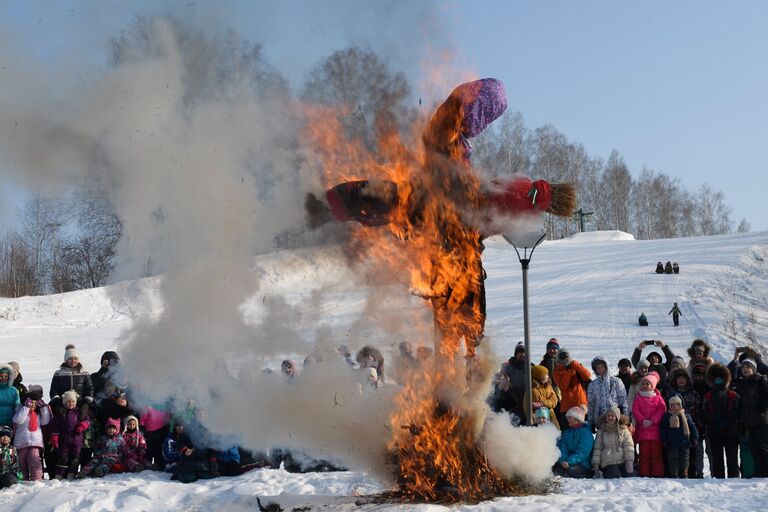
674, 437
9, 401
231, 455
576, 446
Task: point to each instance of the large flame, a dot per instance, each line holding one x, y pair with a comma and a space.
436, 424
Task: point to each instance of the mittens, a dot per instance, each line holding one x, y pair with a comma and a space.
630, 467
55, 441
82, 427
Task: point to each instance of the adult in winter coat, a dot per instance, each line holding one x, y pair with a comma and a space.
625, 374
516, 370
678, 435
10, 471
720, 413
542, 393
9, 397
754, 414
643, 367
67, 436
655, 359
613, 454
699, 354
571, 377
604, 392
675, 312
575, 446
71, 375
502, 398
135, 450
29, 419
647, 410
99, 379
18, 381
740, 355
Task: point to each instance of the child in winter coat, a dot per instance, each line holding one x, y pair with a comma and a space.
575, 446
67, 436
29, 419
155, 420
604, 392
613, 454
542, 416
648, 409
720, 413
680, 385
10, 472
543, 393
108, 455
678, 433
135, 455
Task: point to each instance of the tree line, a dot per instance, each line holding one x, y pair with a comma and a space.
66, 244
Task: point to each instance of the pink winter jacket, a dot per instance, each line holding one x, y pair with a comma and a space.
648, 408
152, 419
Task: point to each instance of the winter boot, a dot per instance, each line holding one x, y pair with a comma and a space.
684, 473
98, 472
70, 476
58, 477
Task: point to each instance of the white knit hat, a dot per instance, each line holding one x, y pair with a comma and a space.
70, 352
68, 395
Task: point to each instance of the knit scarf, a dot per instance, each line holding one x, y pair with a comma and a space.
678, 418
647, 394
34, 424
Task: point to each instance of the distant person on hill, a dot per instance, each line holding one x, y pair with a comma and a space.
642, 320
675, 312
659, 268
675, 268
668, 268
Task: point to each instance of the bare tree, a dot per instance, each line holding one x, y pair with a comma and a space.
744, 226
18, 273
372, 98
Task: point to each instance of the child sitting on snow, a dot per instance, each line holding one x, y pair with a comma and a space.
678, 433
107, 457
10, 471
648, 410
613, 454
575, 446
29, 419
135, 450
67, 436
184, 460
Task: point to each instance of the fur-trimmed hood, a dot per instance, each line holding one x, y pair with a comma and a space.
716, 370
679, 372
11, 372
604, 360
701, 343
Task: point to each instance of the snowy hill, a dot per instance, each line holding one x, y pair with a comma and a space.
587, 291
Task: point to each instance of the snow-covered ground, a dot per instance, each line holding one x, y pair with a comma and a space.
587, 291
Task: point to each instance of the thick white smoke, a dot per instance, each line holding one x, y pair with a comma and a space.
521, 452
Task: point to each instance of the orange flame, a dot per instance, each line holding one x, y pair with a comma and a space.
435, 427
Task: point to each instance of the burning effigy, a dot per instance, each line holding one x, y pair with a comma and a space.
431, 213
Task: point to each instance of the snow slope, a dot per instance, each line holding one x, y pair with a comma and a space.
587, 291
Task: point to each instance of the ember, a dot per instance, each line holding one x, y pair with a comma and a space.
438, 212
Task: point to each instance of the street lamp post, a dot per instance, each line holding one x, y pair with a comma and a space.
528, 242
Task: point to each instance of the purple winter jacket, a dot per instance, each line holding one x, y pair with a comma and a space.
63, 424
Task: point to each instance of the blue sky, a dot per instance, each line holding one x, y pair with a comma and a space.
677, 86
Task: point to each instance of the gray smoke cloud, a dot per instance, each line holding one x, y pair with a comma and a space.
197, 143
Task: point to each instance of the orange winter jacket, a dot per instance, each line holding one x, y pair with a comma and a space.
569, 380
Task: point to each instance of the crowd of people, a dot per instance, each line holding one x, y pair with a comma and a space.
657, 417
